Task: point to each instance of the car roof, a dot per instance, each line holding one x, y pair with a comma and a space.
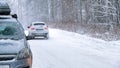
5, 16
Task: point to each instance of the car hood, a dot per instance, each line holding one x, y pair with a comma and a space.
11, 46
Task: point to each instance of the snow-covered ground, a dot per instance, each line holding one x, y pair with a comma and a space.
70, 50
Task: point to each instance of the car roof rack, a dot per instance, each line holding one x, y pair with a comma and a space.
4, 8
5, 11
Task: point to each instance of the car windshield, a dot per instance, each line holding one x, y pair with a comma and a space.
10, 30
39, 24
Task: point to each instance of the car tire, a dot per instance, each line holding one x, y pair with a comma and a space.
46, 36
30, 37
27, 37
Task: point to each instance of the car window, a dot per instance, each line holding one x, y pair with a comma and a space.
39, 24
10, 30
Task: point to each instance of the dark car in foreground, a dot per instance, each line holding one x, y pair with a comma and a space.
14, 49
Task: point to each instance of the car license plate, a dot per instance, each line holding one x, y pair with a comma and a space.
4, 66
39, 29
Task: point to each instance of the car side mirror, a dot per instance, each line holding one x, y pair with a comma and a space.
14, 16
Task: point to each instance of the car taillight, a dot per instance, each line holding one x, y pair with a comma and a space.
46, 27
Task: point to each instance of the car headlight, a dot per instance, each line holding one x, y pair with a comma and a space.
24, 53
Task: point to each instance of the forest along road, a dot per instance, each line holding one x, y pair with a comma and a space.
70, 50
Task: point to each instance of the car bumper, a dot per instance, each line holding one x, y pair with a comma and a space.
24, 63
38, 33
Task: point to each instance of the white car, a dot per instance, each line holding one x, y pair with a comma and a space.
38, 29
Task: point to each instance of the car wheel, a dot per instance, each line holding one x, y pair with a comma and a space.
30, 37
46, 36
27, 37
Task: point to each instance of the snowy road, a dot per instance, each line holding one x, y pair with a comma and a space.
70, 50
